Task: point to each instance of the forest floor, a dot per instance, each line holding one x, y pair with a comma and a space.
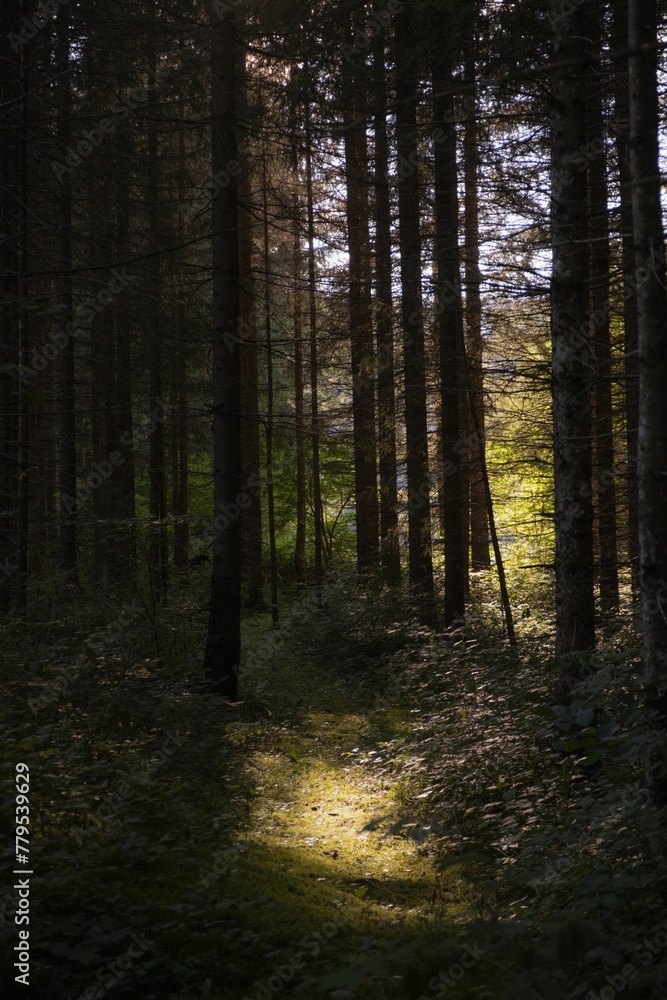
324, 832
388, 812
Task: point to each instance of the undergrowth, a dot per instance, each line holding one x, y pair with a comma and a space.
550, 870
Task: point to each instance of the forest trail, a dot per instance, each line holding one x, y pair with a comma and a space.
326, 840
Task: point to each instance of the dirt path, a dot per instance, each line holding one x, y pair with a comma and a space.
326, 849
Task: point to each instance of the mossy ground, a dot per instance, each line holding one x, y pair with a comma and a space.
317, 852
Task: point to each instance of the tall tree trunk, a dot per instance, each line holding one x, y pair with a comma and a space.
456, 449
318, 514
268, 333
67, 484
652, 311
125, 494
180, 422
300, 562
102, 488
251, 517
416, 429
575, 628
223, 643
479, 522
389, 543
10, 212
23, 405
361, 326
630, 321
158, 545
599, 258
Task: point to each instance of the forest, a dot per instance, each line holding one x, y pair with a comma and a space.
333, 499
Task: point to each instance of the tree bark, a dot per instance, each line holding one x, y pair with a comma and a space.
571, 358
158, 550
630, 321
420, 564
251, 518
300, 562
125, 497
456, 443
599, 289
223, 644
479, 522
361, 325
268, 333
67, 483
389, 543
652, 313
318, 514
180, 423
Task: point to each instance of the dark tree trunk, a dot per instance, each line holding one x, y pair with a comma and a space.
652, 313
67, 483
101, 489
416, 427
158, 551
268, 333
125, 495
223, 644
10, 195
314, 412
389, 543
300, 562
23, 406
571, 359
456, 450
251, 516
479, 522
180, 422
361, 326
630, 321
599, 258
